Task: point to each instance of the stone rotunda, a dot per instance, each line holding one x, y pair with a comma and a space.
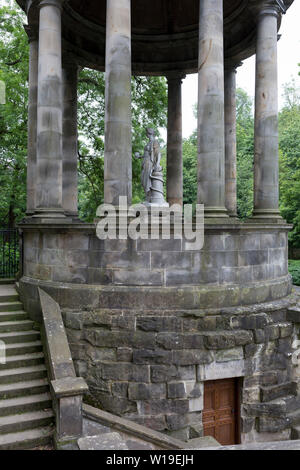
186, 342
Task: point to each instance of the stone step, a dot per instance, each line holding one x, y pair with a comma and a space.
22, 404
23, 374
12, 316
33, 387
9, 298
26, 439
12, 326
7, 281
8, 294
23, 360
23, 348
25, 421
20, 336
10, 306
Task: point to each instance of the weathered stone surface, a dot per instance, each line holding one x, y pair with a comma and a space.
221, 370
249, 322
196, 430
157, 324
227, 339
180, 341
175, 421
124, 354
286, 330
277, 391
125, 371
176, 390
119, 389
163, 373
272, 424
247, 424
229, 355
140, 391
158, 356
272, 332
108, 441
164, 406
190, 357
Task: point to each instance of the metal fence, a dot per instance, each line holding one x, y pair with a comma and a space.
9, 253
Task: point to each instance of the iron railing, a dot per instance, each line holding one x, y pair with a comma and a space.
9, 253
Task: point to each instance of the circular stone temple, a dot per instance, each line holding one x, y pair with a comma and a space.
160, 329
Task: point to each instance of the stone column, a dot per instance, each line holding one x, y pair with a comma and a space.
211, 127
230, 140
266, 186
70, 137
118, 145
49, 113
174, 144
32, 119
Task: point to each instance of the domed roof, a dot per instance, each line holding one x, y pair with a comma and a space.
164, 32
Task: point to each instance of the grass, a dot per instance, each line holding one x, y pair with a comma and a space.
294, 269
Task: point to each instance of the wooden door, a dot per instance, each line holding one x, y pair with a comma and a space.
221, 411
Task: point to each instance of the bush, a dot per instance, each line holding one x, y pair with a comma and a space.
294, 269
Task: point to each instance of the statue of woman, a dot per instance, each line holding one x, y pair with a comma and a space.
147, 165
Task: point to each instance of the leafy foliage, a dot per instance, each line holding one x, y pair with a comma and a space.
289, 143
149, 109
294, 269
13, 116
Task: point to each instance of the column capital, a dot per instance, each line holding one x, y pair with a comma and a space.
32, 32
231, 65
55, 3
177, 76
272, 7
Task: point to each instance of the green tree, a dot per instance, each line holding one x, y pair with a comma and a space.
245, 154
289, 144
13, 116
149, 108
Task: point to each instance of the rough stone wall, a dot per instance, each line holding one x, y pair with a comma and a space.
151, 366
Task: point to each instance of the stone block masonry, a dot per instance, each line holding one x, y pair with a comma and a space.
151, 366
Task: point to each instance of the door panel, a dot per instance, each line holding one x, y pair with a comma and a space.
221, 414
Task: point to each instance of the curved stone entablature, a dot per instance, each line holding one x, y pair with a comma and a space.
164, 34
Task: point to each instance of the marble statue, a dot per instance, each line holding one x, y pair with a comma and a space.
152, 172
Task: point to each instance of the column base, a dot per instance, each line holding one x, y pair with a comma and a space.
266, 215
52, 216
215, 212
56, 213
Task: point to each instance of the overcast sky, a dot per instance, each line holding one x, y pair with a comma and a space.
288, 58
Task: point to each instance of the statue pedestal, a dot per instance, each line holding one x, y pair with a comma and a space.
157, 190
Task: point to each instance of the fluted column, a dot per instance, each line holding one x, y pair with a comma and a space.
230, 140
70, 137
32, 119
49, 112
118, 145
211, 127
174, 144
266, 186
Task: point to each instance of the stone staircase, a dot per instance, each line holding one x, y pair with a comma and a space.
26, 416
